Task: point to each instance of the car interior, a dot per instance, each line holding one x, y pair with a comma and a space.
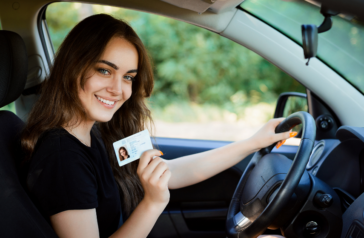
313, 189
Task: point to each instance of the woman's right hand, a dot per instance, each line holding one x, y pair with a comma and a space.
154, 176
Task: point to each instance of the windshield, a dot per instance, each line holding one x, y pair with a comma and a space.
342, 47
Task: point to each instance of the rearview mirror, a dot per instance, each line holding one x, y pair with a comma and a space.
309, 40
310, 33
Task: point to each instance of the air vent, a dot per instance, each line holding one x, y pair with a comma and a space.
355, 231
316, 154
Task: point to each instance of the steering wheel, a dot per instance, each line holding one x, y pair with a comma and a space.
260, 195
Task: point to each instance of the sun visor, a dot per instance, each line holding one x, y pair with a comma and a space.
199, 6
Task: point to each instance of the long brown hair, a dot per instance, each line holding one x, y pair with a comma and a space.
59, 102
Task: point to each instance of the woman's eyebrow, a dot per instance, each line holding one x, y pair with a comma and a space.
116, 67
109, 64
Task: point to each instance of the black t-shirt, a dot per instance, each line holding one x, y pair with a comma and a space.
65, 174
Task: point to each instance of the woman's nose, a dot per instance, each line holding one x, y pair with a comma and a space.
116, 86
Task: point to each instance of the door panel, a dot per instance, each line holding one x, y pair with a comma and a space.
200, 210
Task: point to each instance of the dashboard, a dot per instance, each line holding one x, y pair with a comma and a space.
340, 164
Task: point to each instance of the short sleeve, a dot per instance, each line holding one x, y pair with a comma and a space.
67, 181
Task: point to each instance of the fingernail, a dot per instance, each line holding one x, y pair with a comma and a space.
279, 144
292, 134
161, 152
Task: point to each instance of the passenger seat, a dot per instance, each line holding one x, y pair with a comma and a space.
18, 215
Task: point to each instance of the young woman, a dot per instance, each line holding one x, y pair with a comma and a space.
93, 97
123, 153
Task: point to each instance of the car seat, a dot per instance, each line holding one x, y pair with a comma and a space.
18, 215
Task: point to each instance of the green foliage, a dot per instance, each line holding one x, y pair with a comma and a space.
202, 67
191, 65
61, 18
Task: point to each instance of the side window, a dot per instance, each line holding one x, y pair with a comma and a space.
206, 86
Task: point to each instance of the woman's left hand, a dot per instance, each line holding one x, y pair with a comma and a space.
267, 136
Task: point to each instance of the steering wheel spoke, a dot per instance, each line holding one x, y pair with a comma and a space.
241, 222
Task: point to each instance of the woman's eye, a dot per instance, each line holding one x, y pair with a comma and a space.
104, 71
129, 78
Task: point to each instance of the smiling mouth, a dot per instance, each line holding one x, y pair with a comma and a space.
105, 101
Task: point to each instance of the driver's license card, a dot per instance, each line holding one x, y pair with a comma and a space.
131, 148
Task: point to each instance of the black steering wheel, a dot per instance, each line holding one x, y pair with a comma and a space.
260, 195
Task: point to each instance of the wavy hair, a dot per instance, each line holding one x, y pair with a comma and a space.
59, 101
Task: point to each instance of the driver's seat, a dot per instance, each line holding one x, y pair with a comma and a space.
18, 215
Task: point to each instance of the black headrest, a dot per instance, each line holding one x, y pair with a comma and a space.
13, 66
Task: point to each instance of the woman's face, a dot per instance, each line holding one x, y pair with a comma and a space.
109, 83
122, 152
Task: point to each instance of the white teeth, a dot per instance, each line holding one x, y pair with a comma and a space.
105, 101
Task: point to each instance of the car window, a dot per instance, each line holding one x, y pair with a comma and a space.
206, 86
341, 47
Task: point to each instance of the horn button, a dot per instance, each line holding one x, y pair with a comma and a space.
263, 184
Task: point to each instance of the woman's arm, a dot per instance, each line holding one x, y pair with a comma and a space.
154, 176
83, 223
195, 168
76, 223
140, 222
